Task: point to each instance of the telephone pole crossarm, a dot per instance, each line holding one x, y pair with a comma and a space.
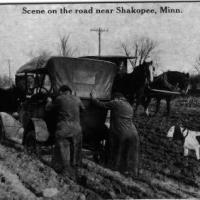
100, 31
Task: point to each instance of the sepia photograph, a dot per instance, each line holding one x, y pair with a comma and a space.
100, 100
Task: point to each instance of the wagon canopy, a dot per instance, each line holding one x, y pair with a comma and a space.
82, 75
120, 61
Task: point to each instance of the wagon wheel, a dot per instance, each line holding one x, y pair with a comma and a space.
30, 143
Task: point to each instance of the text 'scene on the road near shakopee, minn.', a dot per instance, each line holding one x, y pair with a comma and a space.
93, 10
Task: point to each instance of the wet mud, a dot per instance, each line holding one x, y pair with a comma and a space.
164, 171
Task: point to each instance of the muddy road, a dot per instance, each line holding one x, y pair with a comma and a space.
164, 172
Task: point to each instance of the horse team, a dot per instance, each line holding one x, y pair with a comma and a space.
137, 86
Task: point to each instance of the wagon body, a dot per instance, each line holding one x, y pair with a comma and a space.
82, 76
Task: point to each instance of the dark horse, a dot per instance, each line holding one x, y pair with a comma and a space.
10, 99
133, 85
173, 81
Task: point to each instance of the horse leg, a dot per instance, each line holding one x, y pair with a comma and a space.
136, 107
136, 104
168, 105
139, 100
157, 105
146, 105
97, 151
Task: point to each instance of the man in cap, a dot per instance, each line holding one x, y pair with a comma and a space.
68, 129
124, 136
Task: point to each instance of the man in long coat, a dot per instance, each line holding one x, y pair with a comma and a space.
124, 136
68, 129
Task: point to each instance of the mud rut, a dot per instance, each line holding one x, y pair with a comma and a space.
164, 172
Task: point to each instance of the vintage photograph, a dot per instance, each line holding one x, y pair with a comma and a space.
100, 100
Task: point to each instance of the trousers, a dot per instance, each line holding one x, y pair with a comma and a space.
125, 153
67, 152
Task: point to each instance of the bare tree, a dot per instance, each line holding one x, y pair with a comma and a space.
128, 54
141, 49
39, 58
197, 64
42, 58
64, 47
195, 78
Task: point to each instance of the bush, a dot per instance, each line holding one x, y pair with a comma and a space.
195, 81
5, 81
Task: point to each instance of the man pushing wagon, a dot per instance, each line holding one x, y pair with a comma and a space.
68, 130
123, 134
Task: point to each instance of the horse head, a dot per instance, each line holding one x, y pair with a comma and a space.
149, 71
132, 85
183, 82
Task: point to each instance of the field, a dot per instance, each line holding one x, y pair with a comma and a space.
164, 172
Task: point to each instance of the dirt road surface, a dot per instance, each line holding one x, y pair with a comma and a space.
164, 172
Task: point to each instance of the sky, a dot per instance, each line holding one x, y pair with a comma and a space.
24, 36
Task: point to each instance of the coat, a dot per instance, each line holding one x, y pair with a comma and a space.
124, 136
67, 109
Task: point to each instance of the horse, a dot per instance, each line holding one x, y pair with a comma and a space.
10, 99
171, 81
134, 84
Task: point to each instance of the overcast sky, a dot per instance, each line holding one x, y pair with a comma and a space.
23, 35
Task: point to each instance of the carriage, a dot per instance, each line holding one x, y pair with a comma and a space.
82, 75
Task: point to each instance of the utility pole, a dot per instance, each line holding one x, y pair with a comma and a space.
99, 30
9, 71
